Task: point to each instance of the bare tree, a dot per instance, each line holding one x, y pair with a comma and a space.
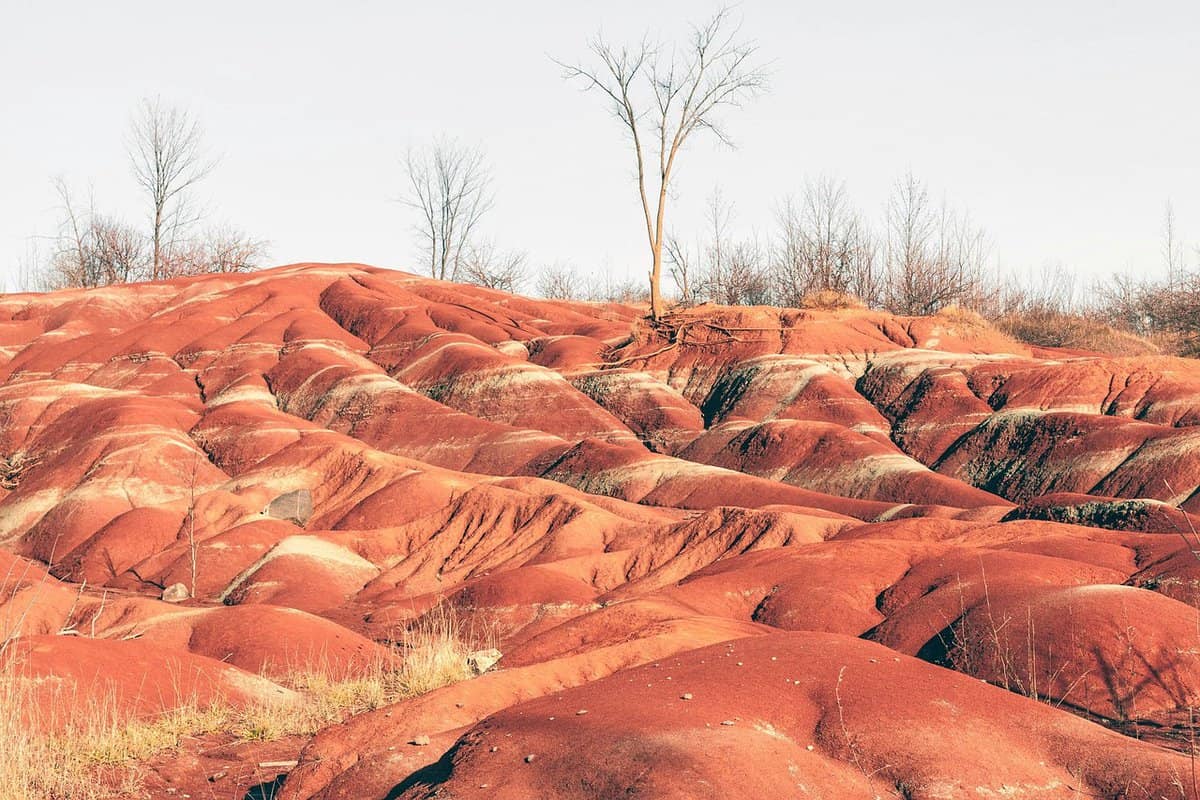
935, 258
166, 153
721, 268
220, 249
673, 94
1172, 247
486, 265
683, 268
450, 187
559, 282
824, 245
90, 249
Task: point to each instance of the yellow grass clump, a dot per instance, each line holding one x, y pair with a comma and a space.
84, 748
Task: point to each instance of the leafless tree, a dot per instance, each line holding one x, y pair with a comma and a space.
934, 257
721, 268
486, 265
683, 268
166, 152
219, 249
559, 282
450, 188
91, 250
1172, 247
667, 95
824, 245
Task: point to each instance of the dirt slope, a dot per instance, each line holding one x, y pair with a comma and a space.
766, 552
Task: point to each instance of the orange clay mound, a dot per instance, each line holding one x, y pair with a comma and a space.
738, 552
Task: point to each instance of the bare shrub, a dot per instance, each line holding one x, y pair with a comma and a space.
559, 282
934, 257
822, 244
719, 267
486, 265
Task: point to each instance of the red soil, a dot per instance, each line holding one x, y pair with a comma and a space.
902, 557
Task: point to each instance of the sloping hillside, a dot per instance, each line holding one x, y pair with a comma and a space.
743, 552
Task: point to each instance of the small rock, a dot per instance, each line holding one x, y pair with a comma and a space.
216, 776
685, 696
529, 758
739, 663
494, 749
581, 712
419, 741
481, 661
728, 722
176, 593
810, 747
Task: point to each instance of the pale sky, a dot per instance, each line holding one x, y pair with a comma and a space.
1064, 127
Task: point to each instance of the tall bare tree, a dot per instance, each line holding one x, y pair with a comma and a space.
166, 152
662, 96
450, 188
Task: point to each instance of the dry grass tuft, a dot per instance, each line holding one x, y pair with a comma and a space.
829, 300
94, 750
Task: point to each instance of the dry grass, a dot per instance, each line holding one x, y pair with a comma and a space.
95, 750
1052, 328
829, 300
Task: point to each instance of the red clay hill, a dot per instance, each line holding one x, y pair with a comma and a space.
740, 553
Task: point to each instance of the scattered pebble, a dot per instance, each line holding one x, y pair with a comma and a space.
873, 660
419, 741
685, 696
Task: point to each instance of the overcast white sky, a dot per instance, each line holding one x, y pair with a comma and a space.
1063, 126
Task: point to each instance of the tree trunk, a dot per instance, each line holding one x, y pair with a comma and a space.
656, 302
155, 272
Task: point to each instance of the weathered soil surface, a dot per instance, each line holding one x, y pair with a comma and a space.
742, 553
